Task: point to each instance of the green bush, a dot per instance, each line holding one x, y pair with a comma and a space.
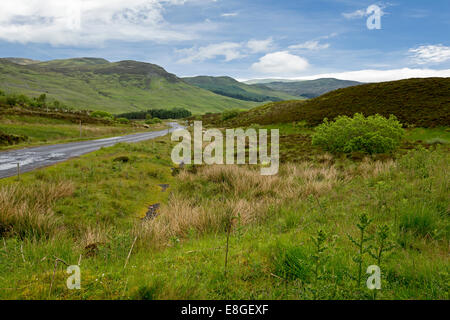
100, 114
374, 134
11, 100
230, 114
153, 121
123, 120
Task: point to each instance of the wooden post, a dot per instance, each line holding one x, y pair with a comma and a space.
80, 128
18, 171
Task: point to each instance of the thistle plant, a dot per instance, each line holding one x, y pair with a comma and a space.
361, 243
319, 256
382, 244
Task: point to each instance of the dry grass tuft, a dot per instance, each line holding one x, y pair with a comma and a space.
27, 212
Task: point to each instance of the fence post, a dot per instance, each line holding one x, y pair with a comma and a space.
18, 171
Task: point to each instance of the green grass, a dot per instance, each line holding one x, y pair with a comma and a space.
42, 130
425, 135
270, 249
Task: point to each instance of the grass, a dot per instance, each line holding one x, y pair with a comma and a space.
42, 130
94, 206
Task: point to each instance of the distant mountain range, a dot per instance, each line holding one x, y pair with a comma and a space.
307, 88
117, 87
230, 87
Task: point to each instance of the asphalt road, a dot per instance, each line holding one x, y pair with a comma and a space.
38, 157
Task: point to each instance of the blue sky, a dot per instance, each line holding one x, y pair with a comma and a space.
243, 39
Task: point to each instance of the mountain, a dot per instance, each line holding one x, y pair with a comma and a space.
116, 87
232, 88
264, 81
420, 102
309, 88
22, 61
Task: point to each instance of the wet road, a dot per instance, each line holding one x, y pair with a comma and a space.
37, 157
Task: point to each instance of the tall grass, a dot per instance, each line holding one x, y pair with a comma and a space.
26, 211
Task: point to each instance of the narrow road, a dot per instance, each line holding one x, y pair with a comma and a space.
37, 157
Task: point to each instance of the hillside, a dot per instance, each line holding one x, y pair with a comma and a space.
422, 102
232, 88
97, 84
309, 88
22, 61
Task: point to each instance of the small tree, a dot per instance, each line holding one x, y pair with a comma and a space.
374, 134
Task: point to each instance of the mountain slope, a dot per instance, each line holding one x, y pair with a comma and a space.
229, 87
310, 88
97, 84
22, 61
422, 102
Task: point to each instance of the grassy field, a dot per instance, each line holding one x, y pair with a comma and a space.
41, 130
225, 232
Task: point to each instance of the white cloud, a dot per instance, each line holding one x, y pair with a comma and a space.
380, 75
430, 54
355, 14
230, 50
280, 63
310, 45
257, 46
78, 22
231, 14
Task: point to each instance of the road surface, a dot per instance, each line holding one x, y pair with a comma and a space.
38, 157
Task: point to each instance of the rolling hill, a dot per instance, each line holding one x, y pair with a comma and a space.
421, 102
309, 88
232, 88
116, 87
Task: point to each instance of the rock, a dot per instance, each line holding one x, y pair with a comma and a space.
164, 187
152, 211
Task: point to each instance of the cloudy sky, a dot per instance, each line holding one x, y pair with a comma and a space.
295, 39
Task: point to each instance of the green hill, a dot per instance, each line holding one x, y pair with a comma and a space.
421, 102
229, 87
22, 61
309, 88
116, 87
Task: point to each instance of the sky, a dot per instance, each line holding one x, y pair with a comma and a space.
359, 40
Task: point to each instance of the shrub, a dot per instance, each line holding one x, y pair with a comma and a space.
100, 114
230, 114
374, 134
11, 100
153, 121
123, 120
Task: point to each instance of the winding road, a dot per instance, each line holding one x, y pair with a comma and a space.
38, 157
